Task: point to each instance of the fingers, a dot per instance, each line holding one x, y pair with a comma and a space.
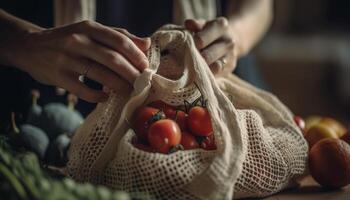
84, 47
211, 32
214, 42
218, 66
116, 41
71, 82
217, 50
194, 25
102, 75
225, 64
142, 43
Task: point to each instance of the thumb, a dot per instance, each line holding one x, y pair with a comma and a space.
142, 43
194, 25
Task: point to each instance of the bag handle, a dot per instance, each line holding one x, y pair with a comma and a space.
230, 153
142, 86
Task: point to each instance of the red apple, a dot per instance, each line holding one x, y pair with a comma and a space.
329, 163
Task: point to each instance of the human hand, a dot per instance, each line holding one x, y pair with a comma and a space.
216, 45
58, 56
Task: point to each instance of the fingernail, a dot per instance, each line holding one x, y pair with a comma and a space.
144, 63
105, 89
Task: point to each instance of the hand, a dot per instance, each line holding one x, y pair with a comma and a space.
58, 56
213, 40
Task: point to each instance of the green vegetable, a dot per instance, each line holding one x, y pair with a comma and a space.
34, 139
4, 171
34, 110
57, 152
22, 178
56, 118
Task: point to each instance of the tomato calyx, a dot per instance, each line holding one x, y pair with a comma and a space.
175, 148
200, 139
168, 110
158, 116
200, 101
207, 142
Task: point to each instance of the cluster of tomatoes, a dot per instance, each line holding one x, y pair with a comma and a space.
163, 128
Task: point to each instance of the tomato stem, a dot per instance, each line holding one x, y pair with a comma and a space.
13, 123
35, 96
176, 112
72, 100
187, 106
158, 116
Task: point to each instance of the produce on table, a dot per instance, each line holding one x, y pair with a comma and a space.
163, 128
57, 118
56, 153
323, 127
311, 120
338, 127
22, 177
34, 139
319, 132
329, 155
329, 163
30, 137
34, 110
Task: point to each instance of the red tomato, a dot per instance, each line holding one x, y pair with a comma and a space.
188, 141
143, 118
168, 110
163, 135
199, 121
208, 143
180, 118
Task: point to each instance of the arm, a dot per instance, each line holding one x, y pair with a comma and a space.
58, 56
11, 28
248, 21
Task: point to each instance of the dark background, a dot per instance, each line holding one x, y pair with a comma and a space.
305, 57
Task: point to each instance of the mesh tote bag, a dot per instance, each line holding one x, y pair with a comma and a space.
260, 150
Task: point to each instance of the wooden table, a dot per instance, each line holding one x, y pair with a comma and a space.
310, 190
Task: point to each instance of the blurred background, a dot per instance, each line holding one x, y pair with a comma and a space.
305, 57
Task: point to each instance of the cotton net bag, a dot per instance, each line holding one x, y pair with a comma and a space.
260, 150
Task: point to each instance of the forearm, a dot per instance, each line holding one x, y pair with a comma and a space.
248, 20
10, 28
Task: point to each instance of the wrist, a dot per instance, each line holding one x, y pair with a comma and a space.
13, 34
